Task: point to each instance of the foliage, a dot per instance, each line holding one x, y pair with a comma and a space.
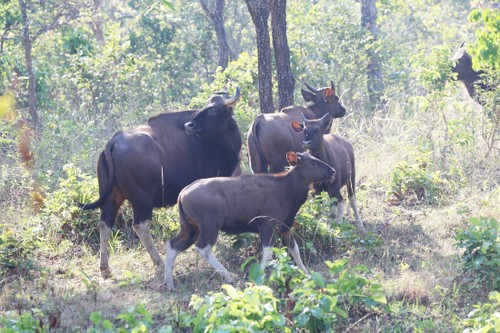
485, 318
253, 309
417, 183
481, 242
27, 322
319, 304
486, 48
14, 253
434, 71
60, 207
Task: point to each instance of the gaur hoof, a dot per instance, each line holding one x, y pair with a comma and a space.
105, 273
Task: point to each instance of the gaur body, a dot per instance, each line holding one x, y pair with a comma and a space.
151, 164
339, 154
263, 203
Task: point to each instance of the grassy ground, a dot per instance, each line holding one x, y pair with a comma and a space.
409, 250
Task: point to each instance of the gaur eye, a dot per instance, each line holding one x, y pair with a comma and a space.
212, 112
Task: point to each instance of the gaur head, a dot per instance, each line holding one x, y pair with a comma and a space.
214, 116
313, 130
463, 63
314, 166
325, 98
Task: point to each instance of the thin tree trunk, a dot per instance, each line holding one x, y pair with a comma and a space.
286, 83
375, 85
96, 25
217, 17
259, 10
32, 101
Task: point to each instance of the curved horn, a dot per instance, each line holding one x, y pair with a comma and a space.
333, 86
232, 100
462, 45
314, 90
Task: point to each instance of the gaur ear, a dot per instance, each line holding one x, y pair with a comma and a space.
329, 93
292, 158
297, 127
308, 96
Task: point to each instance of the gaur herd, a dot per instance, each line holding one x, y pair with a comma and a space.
192, 158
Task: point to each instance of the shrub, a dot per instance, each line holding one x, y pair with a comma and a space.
485, 318
60, 206
481, 241
319, 304
253, 309
14, 254
12, 322
415, 183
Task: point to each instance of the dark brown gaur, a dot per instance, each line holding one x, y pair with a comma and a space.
150, 164
339, 154
466, 74
270, 136
258, 203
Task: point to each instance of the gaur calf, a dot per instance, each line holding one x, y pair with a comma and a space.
258, 203
339, 154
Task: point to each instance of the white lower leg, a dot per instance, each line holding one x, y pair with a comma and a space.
206, 253
267, 254
333, 211
354, 205
340, 210
104, 235
142, 230
169, 266
294, 252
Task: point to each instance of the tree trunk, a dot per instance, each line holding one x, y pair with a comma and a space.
259, 10
375, 85
286, 83
217, 17
96, 25
32, 101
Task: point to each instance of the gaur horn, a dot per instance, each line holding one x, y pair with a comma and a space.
304, 119
333, 86
311, 88
232, 100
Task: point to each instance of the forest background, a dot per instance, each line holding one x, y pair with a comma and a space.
72, 73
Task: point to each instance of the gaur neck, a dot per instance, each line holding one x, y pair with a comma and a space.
227, 146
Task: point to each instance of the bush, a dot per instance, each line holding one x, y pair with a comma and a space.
485, 318
481, 258
253, 309
416, 183
60, 206
14, 254
319, 304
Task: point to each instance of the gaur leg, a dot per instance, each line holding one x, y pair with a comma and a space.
142, 230
142, 222
206, 252
182, 241
206, 240
293, 249
352, 201
266, 226
108, 215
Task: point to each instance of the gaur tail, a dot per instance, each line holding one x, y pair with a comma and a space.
105, 164
258, 161
189, 229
